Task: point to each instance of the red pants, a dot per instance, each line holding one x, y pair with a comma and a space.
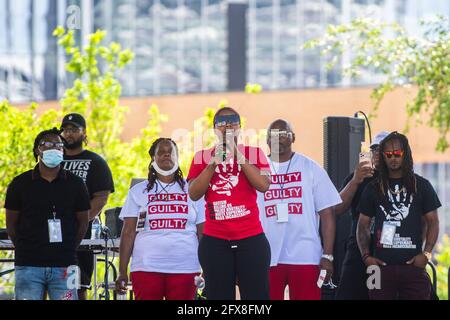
301, 279
159, 286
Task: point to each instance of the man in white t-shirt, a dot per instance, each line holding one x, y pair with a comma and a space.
300, 197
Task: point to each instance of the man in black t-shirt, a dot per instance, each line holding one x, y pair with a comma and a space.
398, 200
46, 219
352, 283
95, 172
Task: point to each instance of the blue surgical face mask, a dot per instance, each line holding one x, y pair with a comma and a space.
52, 158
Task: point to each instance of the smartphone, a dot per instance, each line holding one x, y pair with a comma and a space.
366, 157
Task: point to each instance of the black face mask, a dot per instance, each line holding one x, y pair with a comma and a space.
74, 145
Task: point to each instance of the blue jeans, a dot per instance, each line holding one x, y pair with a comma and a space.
33, 282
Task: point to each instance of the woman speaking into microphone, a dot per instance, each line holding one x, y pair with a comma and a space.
161, 230
234, 246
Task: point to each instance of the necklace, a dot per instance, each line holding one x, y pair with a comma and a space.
397, 192
287, 170
164, 189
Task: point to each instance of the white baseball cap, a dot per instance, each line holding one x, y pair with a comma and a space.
379, 137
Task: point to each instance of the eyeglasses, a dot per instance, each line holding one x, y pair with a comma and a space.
222, 121
280, 134
70, 130
52, 145
395, 154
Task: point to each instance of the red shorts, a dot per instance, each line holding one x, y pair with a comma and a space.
301, 279
160, 286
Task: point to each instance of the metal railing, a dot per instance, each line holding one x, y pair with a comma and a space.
4, 273
434, 276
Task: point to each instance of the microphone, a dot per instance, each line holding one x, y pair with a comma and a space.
104, 229
229, 134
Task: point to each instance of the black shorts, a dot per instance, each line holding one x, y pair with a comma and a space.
86, 264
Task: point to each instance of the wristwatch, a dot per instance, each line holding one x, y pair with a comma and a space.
428, 255
329, 257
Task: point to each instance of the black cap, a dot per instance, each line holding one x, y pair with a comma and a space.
74, 119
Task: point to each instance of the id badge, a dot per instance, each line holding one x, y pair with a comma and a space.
388, 233
54, 231
282, 212
322, 277
141, 221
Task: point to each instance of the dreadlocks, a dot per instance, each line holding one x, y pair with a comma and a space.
152, 172
408, 177
41, 136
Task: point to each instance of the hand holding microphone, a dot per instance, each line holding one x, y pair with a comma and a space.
225, 147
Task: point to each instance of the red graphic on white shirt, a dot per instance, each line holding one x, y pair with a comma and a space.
280, 194
294, 208
286, 178
172, 204
168, 208
158, 224
168, 197
278, 191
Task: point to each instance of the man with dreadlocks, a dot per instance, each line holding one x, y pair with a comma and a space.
398, 199
161, 231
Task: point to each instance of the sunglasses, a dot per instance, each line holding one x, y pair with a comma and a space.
280, 134
395, 154
52, 145
222, 121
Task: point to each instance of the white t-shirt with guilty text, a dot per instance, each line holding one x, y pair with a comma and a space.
169, 242
306, 189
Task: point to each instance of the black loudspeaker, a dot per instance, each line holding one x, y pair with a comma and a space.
3, 234
237, 45
342, 145
113, 222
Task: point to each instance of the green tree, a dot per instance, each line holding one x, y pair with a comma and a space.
404, 60
95, 93
442, 258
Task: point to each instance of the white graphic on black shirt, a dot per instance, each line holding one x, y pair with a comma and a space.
79, 168
400, 205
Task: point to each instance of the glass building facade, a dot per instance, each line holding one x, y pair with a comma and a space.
181, 45
439, 176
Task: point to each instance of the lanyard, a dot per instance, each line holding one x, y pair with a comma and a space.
54, 213
164, 189
287, 171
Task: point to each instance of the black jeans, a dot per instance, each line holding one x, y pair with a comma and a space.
223, 262
402, 282
353, 280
